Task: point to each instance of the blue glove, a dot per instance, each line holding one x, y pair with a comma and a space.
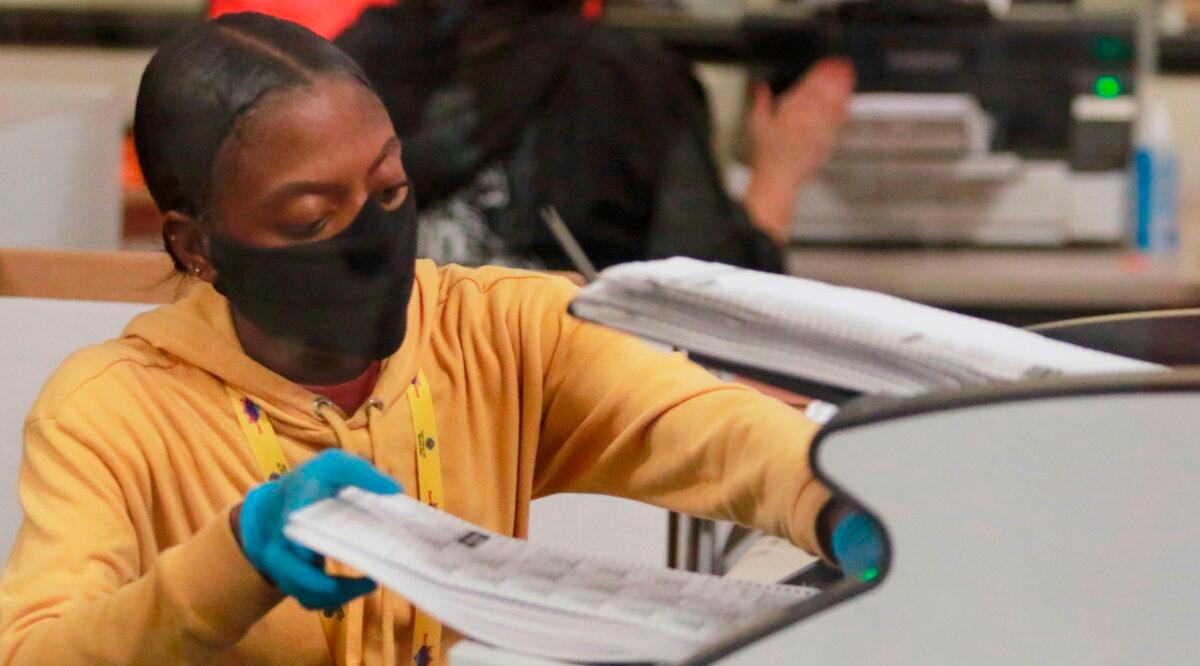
857, 543
295, 570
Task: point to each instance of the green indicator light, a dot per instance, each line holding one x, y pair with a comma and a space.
1108, 87
869, 575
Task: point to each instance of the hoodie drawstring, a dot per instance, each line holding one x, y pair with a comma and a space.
327, 413
353, 655
387, 600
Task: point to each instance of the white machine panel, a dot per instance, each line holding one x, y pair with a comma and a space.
1042, 530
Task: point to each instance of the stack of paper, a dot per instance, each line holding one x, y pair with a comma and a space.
913, 124
527, 598
855, 340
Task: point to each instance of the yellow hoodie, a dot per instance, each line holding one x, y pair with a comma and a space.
133, 459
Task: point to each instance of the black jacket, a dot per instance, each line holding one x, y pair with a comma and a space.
610, 128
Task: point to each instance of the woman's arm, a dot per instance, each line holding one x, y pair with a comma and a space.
77, 589
623, 419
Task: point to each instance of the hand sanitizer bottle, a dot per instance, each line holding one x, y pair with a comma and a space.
1155, 181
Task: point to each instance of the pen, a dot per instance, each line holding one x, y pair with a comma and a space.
566, 240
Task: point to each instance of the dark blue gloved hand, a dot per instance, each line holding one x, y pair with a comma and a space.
857, 543
295, 570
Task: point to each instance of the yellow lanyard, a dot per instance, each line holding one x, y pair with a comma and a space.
427, 632
264, 444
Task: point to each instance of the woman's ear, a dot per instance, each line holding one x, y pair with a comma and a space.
187, 242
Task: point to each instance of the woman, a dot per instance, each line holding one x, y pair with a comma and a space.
312, 333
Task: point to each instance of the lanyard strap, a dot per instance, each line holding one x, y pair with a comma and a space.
427, 632
268, 454
261, 436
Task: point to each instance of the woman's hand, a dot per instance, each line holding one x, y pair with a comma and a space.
793, 137
295, 570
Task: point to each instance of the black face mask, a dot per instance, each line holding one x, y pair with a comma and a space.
346, 295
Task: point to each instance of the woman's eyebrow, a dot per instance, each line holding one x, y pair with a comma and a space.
388, 146
300, 187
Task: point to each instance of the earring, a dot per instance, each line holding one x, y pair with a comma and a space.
196, 270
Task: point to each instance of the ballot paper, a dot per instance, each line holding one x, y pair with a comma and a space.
529, 598
851, 339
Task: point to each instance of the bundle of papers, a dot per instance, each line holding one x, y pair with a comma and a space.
855, 340
527, 598
914, 124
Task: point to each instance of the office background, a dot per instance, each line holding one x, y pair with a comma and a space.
75, 42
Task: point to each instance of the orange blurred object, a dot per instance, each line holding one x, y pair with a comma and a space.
327, 19
593, 9
131, 171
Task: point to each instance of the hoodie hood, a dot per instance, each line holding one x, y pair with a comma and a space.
198, 329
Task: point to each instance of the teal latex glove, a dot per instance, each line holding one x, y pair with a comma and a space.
857, 543
295, 570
